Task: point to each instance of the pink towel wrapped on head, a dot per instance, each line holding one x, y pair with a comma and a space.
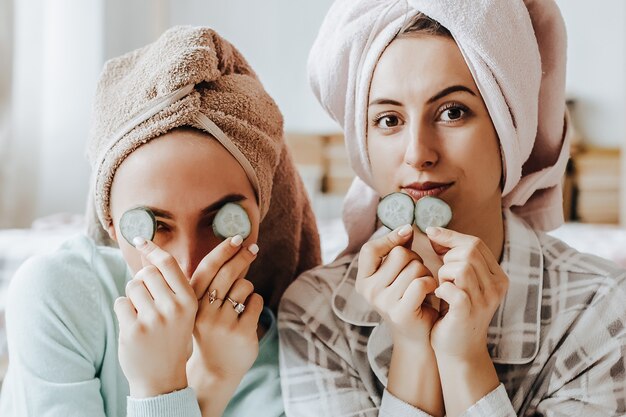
516, 52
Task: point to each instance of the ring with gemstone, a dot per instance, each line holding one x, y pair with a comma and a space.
239, 308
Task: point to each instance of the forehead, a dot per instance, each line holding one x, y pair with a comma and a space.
180, 166
419, 64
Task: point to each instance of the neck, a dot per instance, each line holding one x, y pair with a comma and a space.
488, 226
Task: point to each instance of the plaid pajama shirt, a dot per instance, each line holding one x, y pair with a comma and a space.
558, 340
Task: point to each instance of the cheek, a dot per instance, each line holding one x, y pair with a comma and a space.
484, 165
256, 225
384, 159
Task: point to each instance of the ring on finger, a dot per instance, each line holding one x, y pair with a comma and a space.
213, 297
239, 308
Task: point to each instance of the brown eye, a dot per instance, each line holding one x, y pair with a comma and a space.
453, 113
387, 122
162, 227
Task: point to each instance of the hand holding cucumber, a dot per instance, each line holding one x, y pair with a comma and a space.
222, 334
472, 284
395, 282
225, 341
393, 278
156, 321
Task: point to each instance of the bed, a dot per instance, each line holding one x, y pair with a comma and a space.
46, 235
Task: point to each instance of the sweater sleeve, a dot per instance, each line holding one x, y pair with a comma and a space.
53, 338
178, 403
57, 339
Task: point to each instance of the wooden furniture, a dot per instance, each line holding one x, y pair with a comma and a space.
598, 184
323, 156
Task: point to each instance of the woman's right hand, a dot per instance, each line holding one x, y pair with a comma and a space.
225, 342
395, 282
156, 320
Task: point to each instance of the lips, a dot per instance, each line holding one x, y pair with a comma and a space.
418, 190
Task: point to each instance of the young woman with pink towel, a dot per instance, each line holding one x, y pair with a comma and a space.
157, 312
462, 100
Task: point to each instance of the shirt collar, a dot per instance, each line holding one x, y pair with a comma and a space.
513, 336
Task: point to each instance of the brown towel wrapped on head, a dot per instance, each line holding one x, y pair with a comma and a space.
192, 77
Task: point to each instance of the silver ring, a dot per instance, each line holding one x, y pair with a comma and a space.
239, 308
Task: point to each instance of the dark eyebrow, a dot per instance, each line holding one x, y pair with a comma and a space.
385, 101
442, 93
160, 213
229, 198
450, 90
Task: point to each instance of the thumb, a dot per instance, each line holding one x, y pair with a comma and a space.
433, 233
409, 243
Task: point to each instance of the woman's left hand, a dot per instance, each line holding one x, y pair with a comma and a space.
473, 285
225, 342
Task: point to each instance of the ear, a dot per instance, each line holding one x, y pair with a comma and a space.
111, 231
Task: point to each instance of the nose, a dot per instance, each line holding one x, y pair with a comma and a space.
421, 151
188, 252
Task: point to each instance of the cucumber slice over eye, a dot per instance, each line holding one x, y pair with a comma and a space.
432, 212
231, 220
395, 210
136, 222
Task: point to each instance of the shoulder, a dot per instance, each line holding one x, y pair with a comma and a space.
69, 282
587, 297
314, 288
75, 266
563, 261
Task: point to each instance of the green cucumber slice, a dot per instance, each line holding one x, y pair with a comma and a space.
432, 212
136, 222
231, 220
395, 210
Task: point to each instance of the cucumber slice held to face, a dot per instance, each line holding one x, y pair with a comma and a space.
432, 212
231, 220
395, 210
138, 222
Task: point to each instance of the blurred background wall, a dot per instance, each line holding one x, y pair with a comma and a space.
52, 52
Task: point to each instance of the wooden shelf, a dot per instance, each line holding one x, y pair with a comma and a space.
597, 185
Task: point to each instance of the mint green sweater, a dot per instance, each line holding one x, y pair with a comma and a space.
62, 337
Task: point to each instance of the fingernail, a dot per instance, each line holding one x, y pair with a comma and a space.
432, 231
236, 240
254, 249
406, 230
139, 242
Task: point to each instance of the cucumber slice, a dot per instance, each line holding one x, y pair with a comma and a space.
140, 222
432, 212
231, 220
395, 210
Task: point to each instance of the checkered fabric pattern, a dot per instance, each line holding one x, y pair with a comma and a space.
558, 340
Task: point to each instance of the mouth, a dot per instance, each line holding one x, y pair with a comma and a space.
418, 190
